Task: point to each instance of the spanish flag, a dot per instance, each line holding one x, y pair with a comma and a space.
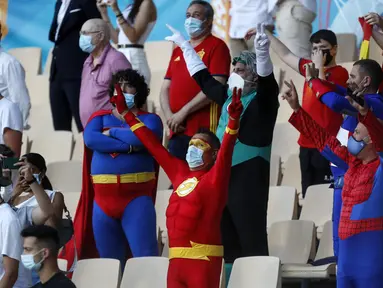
367, 33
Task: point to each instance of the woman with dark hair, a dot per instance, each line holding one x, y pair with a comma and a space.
23, 196
116, 206
134, 25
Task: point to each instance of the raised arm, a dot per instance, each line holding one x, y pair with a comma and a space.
376, 21
95, 140
310, 129
375, 129
152, 121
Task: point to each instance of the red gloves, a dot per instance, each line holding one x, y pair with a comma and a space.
235, 108
119, 100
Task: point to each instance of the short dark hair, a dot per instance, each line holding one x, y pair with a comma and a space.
214, 141
209, 11
136, 80
326, 35
46, 235
373, 69
6, 151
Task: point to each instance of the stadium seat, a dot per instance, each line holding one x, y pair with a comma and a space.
318, 206
54, 146
283, 204
38, 87
163, 180
165, 249
40, 120
347, 51
162, 201
158, 54
145, 272
260, 271
78, 151
63, 264
97, 273
348, 66
292, 241
25, 144
275, 170
73, 175
71, 201
29, 57
285, 141
325, 249
48, 62
292, 173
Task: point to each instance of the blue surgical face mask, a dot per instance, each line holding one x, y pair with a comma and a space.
37, 177
193, 27
29, 261
85, 43
129, 100
354, 146
194, 157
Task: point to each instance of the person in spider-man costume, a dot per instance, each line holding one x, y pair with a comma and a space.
116, 207
201, 189
360, 259
333, 96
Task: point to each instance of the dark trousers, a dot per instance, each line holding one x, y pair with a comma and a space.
65, 97
178, 146
315, 169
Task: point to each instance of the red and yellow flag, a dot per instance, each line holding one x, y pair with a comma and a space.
367, 33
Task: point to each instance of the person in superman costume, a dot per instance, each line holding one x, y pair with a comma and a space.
116, 206
195, 207
364, 81
360, 260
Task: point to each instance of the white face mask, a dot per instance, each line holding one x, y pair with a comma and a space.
235, 81
6, 193
29, 262
37, 177
194, 157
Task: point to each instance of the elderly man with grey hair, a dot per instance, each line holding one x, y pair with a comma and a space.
244, 218
99, 67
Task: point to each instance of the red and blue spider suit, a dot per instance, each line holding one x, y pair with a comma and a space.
195, 208
333, 96
360, 261
116, 207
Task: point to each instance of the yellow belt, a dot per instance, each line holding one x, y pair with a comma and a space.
197, 251
124, 178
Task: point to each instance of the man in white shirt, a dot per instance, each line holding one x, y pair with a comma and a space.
12, 272
246, 14
11, 125
12, 83
294, 24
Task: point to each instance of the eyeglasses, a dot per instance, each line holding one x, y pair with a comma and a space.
89, 32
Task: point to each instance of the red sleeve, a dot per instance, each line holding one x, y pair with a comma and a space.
339, 76
168, 74
171, 165
220, 61
302, 63
375, 129
303, 122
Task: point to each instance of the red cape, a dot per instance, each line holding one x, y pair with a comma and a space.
83, 230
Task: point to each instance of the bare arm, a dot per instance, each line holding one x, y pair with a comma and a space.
45, 210
140, 22
11, 268
13, 140
283, 52
164, 99
58, 208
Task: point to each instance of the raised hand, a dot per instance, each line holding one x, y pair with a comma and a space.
318, 58
176, 38
374, 19
25, 172
261, 41
311, 71
119, 100
235, 108
361, 109
250, 33
291, 96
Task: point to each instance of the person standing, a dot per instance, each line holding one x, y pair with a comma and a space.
99, 67
185, 106
41, 247
68, 60
12, 83
134, 24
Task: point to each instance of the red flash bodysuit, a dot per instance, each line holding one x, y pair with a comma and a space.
194, 211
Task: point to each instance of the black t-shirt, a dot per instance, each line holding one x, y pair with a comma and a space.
59, 280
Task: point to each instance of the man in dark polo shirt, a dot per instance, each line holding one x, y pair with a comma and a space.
41, 246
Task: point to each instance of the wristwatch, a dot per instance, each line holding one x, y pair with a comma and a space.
32, 181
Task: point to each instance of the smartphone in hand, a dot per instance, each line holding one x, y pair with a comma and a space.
357, 99
9, 163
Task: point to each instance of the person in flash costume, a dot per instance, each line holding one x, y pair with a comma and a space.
360, 258
195, 207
